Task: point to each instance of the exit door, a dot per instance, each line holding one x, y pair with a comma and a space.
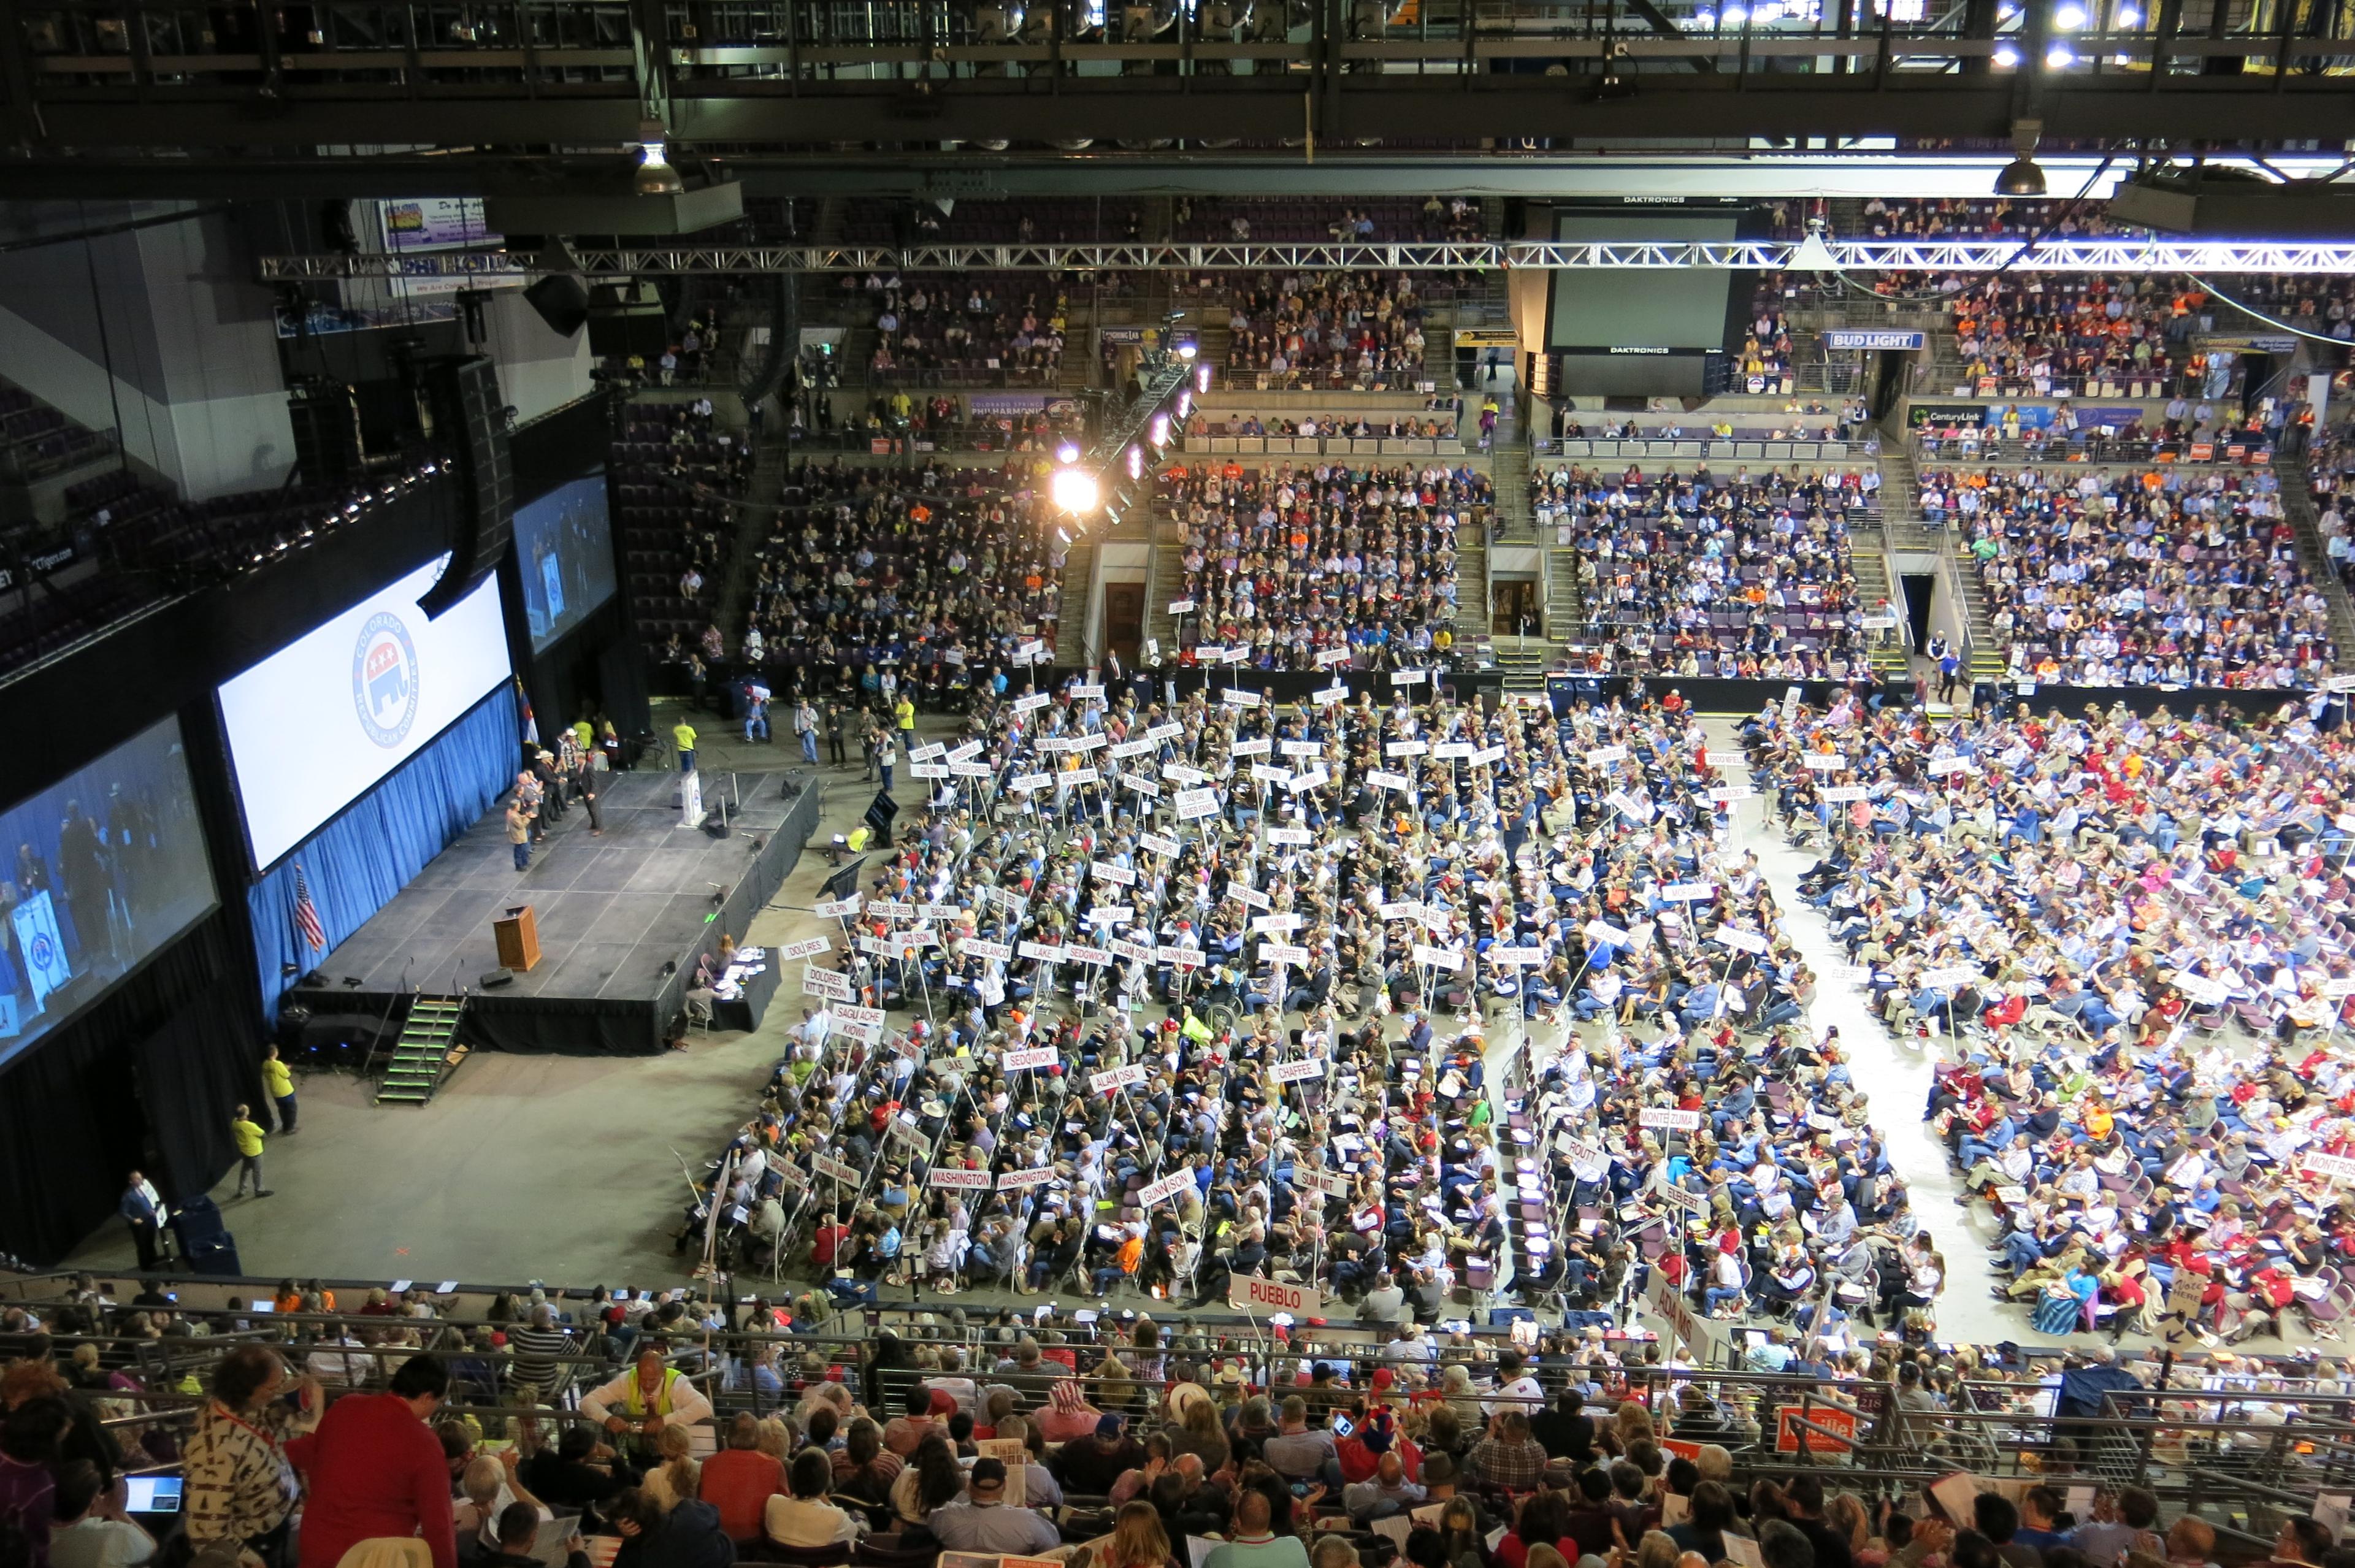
1123, 620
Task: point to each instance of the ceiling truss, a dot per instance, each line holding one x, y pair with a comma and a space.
2106, 255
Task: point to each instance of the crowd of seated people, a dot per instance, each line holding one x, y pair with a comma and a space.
1437, 858
675, 476
2323, 305
1701, 573
1811, 419
875, 581
755, 1431
1241, 218
945, 421
2002, 217
2181, 576
1348, 329
935, 331
2126, 935
2067, 331
1293, 564
1765, 346
1437, 422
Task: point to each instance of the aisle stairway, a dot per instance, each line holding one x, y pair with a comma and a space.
752, 524
1565, 602
2306, 524
1071, 625
1873, 584
426, 1053
1516, 524
1523, 661
1473, 616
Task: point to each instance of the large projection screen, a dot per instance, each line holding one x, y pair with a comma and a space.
564, 547
104, 868
1640, 307
314, 725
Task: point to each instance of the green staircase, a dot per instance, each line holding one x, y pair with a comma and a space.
427, 1053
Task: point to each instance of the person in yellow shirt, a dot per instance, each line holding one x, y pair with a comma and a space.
905, 714
682, 734
279, 1084
249, 1152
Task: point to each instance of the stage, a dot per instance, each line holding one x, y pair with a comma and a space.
612, 912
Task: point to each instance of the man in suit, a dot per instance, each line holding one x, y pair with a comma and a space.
142, 1210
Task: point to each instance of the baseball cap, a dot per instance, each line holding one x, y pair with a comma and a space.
988, 1475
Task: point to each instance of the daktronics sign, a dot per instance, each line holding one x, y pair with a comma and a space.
1249, 1293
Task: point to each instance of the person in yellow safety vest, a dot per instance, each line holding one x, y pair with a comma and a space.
645, 1399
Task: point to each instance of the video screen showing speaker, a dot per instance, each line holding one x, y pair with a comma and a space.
564, 550
101, 870
318, 723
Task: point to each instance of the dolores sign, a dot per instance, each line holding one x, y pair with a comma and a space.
1869, 338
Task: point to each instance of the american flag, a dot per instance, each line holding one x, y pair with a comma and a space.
306, 913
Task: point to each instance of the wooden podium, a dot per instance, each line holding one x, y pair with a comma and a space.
518, 939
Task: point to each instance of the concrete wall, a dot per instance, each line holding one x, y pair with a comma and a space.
158, 332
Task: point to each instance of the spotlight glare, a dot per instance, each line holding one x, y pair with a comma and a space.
1734, 15
1068, 453
2005, 57
1202, 378
1074, 490
1157, 433
2129, 18
1136, 463
2069, 17
2058, 58
1188, 350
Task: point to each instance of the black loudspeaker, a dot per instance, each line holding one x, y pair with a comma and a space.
470, 423
561, 301
325, 415
493, 980
880, 813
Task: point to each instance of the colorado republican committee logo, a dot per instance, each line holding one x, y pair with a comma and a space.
43, 952
384, 679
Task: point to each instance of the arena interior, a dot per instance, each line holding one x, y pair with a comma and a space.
1544, 786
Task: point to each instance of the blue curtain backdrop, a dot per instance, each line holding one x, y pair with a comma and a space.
359, 861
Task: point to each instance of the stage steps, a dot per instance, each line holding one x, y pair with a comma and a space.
426, 1053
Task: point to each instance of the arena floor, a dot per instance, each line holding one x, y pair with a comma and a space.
567, 1168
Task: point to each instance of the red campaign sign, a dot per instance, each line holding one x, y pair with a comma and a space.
1788, 1431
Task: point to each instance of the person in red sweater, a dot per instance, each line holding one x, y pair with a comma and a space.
374, 1468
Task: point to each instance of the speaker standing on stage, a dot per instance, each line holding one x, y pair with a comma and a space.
682, 734
805, 726
280, 1083
143, 1209
248, 1134
519, 834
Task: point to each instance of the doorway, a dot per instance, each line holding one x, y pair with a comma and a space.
1123, 620
1916, 589
1513, 609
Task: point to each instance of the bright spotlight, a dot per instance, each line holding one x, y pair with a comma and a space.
1074, 491
2058, 58
2005, 57
1068, 453
1188, 350
2129, 18
1185, 401
1157, 433
1136, 463
1732, 15
654, 175
2069, 17
1202, 378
